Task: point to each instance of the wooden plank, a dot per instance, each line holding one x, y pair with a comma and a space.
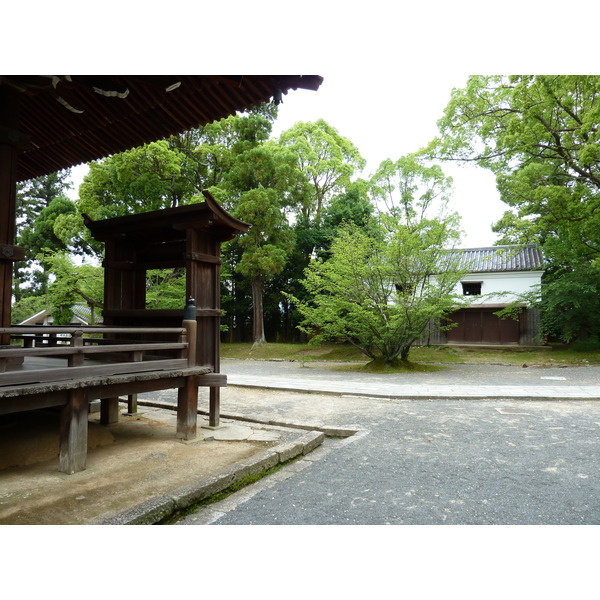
212, 380
97, 392
201, 257
71, 373
52, 329
12, 253
58, 351
74, 433
134, 347
158, 314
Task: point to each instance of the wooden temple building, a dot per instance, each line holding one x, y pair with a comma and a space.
49, 123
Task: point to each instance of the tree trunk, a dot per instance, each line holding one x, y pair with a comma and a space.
258, 335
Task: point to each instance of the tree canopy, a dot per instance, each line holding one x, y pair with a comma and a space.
301, 193
381, 286
540, 136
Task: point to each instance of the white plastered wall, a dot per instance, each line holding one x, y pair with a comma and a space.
494, 284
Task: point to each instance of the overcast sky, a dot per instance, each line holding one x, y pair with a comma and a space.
388, 67
394, 116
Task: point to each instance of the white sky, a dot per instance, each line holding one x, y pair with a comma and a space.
388, 67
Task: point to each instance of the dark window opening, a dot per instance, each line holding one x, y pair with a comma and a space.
404, 289
471, 288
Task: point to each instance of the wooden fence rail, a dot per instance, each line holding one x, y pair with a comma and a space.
111, 355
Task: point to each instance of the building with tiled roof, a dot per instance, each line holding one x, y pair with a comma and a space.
496, 277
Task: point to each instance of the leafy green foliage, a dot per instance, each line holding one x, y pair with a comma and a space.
36, 194
570, 305
260, 182
165, 288
327, 161
71, 284
378, 293
40, 234
41, 205
540, 136
408, 190
28, 306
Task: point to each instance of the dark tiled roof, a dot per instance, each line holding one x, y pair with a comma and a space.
495, 259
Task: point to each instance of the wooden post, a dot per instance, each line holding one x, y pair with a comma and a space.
74, 433
191, 330
132, 399
214, 409
187, 409
132, 404
9, 125
109, 410
76, 360
187, 396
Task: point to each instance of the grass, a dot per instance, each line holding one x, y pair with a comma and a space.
296, 352
235, 487
421, 358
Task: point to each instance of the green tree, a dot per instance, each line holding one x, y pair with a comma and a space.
408, 190
139, 180
327, 160
380, 293
71, 284
35, 228
36, 194
540, 136
265, 248
260, 181
351, 207
40, 235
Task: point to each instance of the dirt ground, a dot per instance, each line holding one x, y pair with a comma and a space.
134, 460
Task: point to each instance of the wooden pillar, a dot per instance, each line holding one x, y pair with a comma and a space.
132, 404
74, 433
10, 142
109, 410
187, 409
203, 271
214, 406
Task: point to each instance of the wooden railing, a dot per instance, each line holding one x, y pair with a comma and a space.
93, 351
102, 363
